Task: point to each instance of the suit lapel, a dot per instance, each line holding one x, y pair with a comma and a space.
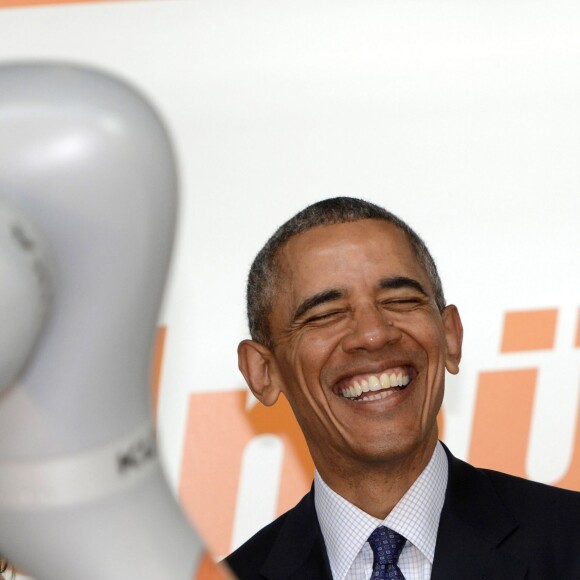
474, 522
299, 552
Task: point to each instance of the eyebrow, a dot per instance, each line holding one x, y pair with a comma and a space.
393, 283
397, 282
315, 300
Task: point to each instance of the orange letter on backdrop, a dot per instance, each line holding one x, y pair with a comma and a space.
218, 430
501, 426
504, 404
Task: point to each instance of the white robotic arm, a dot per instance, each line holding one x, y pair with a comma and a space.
85, 161
26, 288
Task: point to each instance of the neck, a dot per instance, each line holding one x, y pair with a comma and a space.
376, 488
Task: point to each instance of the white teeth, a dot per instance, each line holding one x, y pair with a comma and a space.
374, 384
355, 390
377, 396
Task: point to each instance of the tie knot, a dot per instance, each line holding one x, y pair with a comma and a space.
386, 545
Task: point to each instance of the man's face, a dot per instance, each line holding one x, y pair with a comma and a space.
360, 348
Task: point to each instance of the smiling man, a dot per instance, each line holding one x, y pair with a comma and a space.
349, 323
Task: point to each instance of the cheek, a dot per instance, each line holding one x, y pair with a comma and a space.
307, 357
427, 334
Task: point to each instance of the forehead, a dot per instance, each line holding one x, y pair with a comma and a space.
343, 255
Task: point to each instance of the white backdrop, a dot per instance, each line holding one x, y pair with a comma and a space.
462, 117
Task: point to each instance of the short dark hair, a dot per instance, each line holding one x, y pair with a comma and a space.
265, 269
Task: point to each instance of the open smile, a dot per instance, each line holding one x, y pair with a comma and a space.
381, 385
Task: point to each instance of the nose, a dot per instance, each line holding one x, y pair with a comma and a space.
371, 330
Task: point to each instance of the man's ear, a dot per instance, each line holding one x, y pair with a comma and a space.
257, 364
453, 337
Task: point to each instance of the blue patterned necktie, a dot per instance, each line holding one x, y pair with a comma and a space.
386, 545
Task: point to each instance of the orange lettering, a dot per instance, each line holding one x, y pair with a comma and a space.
501, 426
529, 330
218, 429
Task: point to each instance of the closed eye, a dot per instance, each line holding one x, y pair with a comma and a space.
323, 317
403, 304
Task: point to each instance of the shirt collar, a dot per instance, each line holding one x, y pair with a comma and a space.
346, 528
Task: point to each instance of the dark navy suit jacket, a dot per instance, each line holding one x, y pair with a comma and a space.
493, 527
